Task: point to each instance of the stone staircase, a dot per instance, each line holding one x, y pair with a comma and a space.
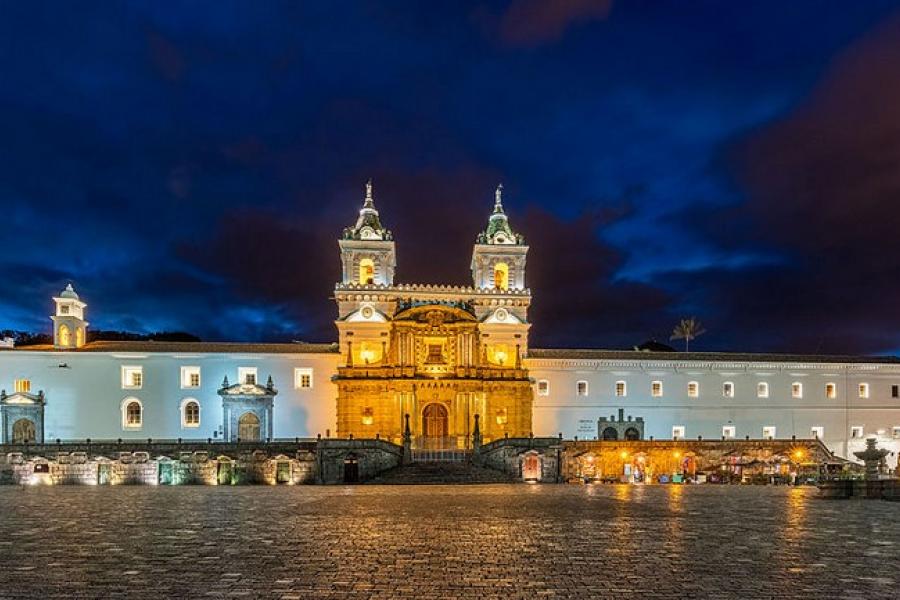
441, 472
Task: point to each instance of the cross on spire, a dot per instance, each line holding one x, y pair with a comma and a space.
498, 199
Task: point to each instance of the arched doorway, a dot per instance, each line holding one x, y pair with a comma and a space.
248, 427
23, 431
435, 422
531, 467
610, 433
632, 434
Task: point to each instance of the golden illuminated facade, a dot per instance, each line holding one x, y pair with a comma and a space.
441, 354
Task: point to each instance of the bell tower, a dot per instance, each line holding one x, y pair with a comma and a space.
368, 255
69, 326
498, 258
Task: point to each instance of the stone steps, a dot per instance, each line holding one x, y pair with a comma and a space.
435, 473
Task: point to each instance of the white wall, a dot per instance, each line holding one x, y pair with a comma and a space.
563, 411
84, 398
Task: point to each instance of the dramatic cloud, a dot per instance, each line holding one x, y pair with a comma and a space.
533, 22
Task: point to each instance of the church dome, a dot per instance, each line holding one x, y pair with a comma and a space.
69, 292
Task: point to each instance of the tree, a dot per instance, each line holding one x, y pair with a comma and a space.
687, 330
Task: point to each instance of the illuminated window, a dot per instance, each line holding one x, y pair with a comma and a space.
796, 390
247, 375
190, 377
366, 271
368, 353
769, 432
817, 432
581, 388
79, 337
693, 389
856, 432
303, 378
132, 414
22, 386
762, 390
501, 417
368, 416
830, 391
864, 390
678, 432
656, 389
65, 336
543, 387
620, 388
132, 378
729, 432
190, 413
728, 389
501, 276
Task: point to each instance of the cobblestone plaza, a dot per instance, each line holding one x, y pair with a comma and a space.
508, 541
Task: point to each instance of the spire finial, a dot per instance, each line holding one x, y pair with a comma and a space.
370, 202
498, 197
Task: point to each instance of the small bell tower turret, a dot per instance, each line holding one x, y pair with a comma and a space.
69, 326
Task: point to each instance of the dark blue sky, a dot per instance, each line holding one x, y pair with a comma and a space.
190, 165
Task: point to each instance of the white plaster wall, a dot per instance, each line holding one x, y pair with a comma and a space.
562, 409
84, 399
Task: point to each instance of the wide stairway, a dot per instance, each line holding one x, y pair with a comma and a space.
440, 472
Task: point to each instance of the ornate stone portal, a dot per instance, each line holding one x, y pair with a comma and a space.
442, 354
247, 411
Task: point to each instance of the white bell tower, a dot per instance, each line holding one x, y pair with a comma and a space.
69, 326
498, 258
368, 254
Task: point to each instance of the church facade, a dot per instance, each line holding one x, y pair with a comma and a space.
443, 355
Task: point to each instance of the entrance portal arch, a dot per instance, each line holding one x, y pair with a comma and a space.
435, 421
248, 427
610, 433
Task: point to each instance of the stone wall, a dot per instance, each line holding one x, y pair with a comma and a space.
371, 456
533, 459
158, 463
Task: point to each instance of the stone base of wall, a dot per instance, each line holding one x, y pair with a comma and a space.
195, 463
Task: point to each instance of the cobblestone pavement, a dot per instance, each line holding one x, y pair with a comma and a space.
498, 541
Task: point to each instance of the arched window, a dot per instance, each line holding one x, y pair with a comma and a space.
79, 337
65, 336
132, 413
190, 413
501, 276
366, 271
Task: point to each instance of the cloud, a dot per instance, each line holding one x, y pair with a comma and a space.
822, 188
536, 22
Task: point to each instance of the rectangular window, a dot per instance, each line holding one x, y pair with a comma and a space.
132, 378
817, 432
581, 388
656, 389
303, 378
247, 375
856, 432
678, 432
895, 433
762, 390
693, 389
796, 390
769, 432
64, 309
729, 432
864, 390
543, 387
895, 391
620, 388
190, 377
830, 391
728, 389
22, 386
